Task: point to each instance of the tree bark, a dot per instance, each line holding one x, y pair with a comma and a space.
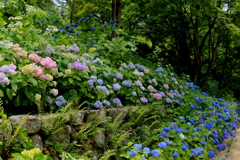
116, 13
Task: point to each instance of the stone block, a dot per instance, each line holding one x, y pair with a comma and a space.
32, 124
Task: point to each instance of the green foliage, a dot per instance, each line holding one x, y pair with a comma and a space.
33, 154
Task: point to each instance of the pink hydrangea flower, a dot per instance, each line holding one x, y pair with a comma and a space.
170, 95
48, 63
34, 58
43, 76
12, 66
37, 71
157, 96
166, 86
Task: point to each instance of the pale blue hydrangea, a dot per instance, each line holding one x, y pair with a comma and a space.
100, 81
131, 66
94, 78
119, 76
134, 93
126, 83
159, 69
138, 83
107, 103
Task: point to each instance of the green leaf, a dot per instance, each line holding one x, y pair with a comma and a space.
29, 92
1, 93
70, 80
17, 100
42, 157
9, 93
65, 82
14, 86
34, 81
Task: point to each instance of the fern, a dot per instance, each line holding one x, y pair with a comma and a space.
17, 130
89, 129
108, 154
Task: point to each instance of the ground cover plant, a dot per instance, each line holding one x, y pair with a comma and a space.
46, 63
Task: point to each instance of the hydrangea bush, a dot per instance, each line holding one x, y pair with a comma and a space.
198, 134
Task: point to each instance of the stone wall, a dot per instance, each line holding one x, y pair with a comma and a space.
65, 125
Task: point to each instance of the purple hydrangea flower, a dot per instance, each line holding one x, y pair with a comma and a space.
107, 103
159, 69
117, 101
162, 93
116, 86
78, 65
4, 68
144, 100
168, 100
98, 104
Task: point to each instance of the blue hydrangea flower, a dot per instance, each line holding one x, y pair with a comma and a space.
155, 153
146, 150
60, 101
162, 145
93, 28
179, 130
184, 147
169, 143
211, 154
175, 154
167, 129
132, 153
138, 146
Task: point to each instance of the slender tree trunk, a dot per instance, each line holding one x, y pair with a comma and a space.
116, 13
214, 55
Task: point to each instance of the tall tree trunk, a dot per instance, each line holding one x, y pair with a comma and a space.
116, 13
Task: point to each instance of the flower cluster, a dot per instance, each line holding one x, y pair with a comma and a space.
60, 101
